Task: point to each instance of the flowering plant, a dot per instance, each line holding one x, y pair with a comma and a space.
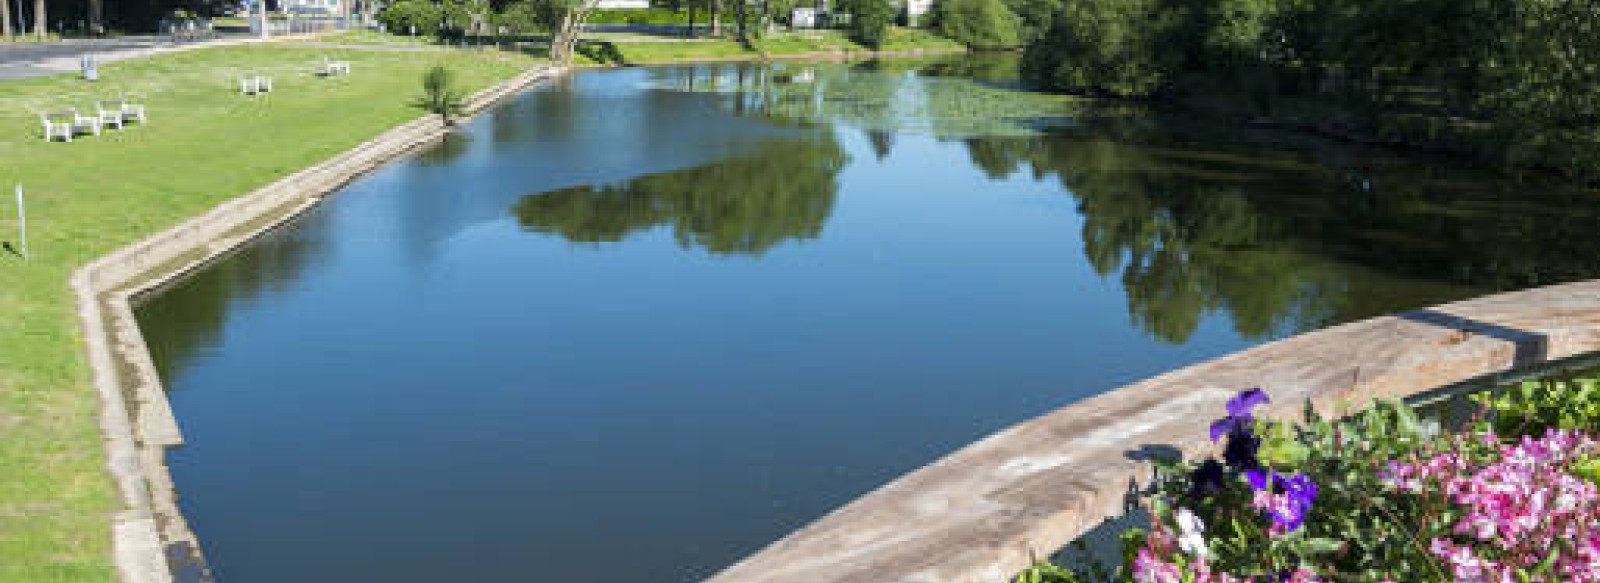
1384, 496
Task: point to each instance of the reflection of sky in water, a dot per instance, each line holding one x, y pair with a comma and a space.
606, 321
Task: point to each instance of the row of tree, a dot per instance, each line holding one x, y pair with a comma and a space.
868, 21
1513, 78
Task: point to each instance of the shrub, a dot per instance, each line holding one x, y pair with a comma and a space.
870, 20
1102, 48
408, 16
980, 24
439, 94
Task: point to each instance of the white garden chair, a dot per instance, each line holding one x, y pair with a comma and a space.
130, 111
255, 84
110, 113
56, 125
84, 123
330, 68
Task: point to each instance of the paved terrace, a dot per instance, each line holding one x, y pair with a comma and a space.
985, 512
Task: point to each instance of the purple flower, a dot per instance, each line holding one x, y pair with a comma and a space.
1243, 404
1287, 499
1207, 479
1241, 414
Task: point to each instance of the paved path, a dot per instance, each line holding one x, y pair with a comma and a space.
28, 60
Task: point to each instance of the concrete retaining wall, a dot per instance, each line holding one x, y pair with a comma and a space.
153, 542
985, 512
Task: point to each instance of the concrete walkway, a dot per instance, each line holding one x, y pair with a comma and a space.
24, 60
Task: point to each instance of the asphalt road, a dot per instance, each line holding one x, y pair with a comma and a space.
24, 60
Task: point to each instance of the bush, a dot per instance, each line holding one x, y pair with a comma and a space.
1106, 48
870, 21
647, 17
980, 24
439, 94
411, 16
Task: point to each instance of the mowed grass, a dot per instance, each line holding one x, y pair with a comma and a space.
617, 48
204, 143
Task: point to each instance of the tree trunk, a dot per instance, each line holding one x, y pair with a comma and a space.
691, 19
739, 8
96, 17
5, 18
40, 29
716, 18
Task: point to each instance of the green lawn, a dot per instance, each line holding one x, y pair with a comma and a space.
204, 143
613, 49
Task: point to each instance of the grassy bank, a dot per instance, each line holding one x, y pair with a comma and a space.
622, 49
615, 48
204, 143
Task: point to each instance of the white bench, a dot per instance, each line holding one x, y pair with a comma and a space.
125, 111
110, 113
56, 125
255, 85
331, 68
84, 123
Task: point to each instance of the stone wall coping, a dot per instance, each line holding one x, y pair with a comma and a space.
985, 512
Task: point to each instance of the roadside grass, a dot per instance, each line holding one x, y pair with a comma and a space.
204, 143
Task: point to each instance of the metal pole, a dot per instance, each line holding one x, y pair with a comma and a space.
22, 223
265, 23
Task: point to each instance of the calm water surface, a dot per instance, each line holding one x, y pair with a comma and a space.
637, 325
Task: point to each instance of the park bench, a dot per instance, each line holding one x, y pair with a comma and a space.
120, 107
57, 125
255, 84
89, 124
110, 113
330, 68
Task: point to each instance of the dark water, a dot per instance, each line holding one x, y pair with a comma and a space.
636, 326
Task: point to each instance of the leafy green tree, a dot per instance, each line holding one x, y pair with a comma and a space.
1104, 47
440, 95
870, 20
741, 206
980, 24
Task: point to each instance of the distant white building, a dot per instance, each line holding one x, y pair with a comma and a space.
916, 9
311, 6
623, 4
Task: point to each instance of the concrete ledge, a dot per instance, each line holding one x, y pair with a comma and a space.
150, 534
983, 513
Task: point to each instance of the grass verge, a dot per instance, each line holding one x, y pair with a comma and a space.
622, 50
204, 143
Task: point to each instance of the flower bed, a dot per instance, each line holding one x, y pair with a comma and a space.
1385, 496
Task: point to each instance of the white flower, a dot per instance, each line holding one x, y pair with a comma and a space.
1191, 534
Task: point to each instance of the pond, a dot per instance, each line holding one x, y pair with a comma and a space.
638, 324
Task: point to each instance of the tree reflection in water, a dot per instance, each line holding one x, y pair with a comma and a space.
1288, 236
782, 190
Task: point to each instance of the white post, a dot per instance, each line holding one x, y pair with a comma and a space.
22, 223
266, 24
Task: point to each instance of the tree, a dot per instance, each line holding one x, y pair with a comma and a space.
5, 18
980, 24
41, 28
439, 94
870, 20
565, 19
